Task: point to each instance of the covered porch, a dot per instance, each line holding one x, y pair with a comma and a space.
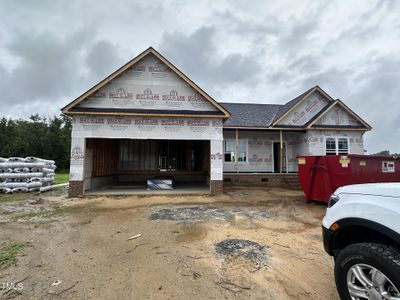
249, 151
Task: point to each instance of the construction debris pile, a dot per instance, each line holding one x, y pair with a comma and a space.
30, 174
252, 251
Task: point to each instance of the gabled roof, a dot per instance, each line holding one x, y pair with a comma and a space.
250, 114
292, 104
266, 116
69, 108
238, 115
337, 102
284, 108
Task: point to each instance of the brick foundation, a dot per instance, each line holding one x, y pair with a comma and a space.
267, 180
217, 187
75, 189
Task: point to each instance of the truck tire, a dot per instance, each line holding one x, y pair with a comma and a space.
367, 271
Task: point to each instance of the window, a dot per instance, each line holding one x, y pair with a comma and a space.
336, 146
242, 155
343, 146
330, 146
230, 150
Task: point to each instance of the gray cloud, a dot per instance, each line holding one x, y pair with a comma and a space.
52, 51
197, 55
258, 30
46, 69
376, 97
102, 59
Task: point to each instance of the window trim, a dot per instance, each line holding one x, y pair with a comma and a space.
348, 145
336, 138
331, 150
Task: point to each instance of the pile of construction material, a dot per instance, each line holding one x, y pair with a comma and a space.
30, 174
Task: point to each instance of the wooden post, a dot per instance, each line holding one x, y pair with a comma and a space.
281, 152
188, 154
237, 151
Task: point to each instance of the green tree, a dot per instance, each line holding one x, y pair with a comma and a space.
49, 139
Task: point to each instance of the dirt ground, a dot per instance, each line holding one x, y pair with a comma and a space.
80, 249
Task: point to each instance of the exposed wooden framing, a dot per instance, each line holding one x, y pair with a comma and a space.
141, 159
237, 151
316, 88
346, 108
105, 157
188, 157
157, 172
281, 151
135, 60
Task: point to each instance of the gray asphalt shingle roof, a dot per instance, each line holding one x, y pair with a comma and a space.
258, 115
250, 114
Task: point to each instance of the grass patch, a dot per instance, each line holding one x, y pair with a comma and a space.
61, 178
58, 191
33, 214
55, 212
8, 254
13, 197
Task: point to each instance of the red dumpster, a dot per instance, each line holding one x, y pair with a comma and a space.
320, 176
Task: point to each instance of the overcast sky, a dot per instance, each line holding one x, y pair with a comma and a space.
238, 51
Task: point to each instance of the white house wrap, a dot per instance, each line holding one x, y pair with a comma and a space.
148, 122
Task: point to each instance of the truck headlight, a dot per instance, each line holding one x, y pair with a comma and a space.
333, 199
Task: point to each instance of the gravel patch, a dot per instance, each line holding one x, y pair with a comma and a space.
200, 213
233, 248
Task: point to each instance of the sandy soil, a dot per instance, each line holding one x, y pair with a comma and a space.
83, 243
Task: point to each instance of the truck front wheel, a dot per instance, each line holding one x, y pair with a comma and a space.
368, 271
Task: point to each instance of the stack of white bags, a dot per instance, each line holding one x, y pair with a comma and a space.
29, 174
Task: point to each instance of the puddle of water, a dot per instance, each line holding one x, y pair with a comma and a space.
191, 234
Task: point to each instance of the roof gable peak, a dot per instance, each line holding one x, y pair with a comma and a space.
132, 62
292, 104
335, 103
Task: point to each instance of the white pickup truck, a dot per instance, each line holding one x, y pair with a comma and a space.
361, 230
